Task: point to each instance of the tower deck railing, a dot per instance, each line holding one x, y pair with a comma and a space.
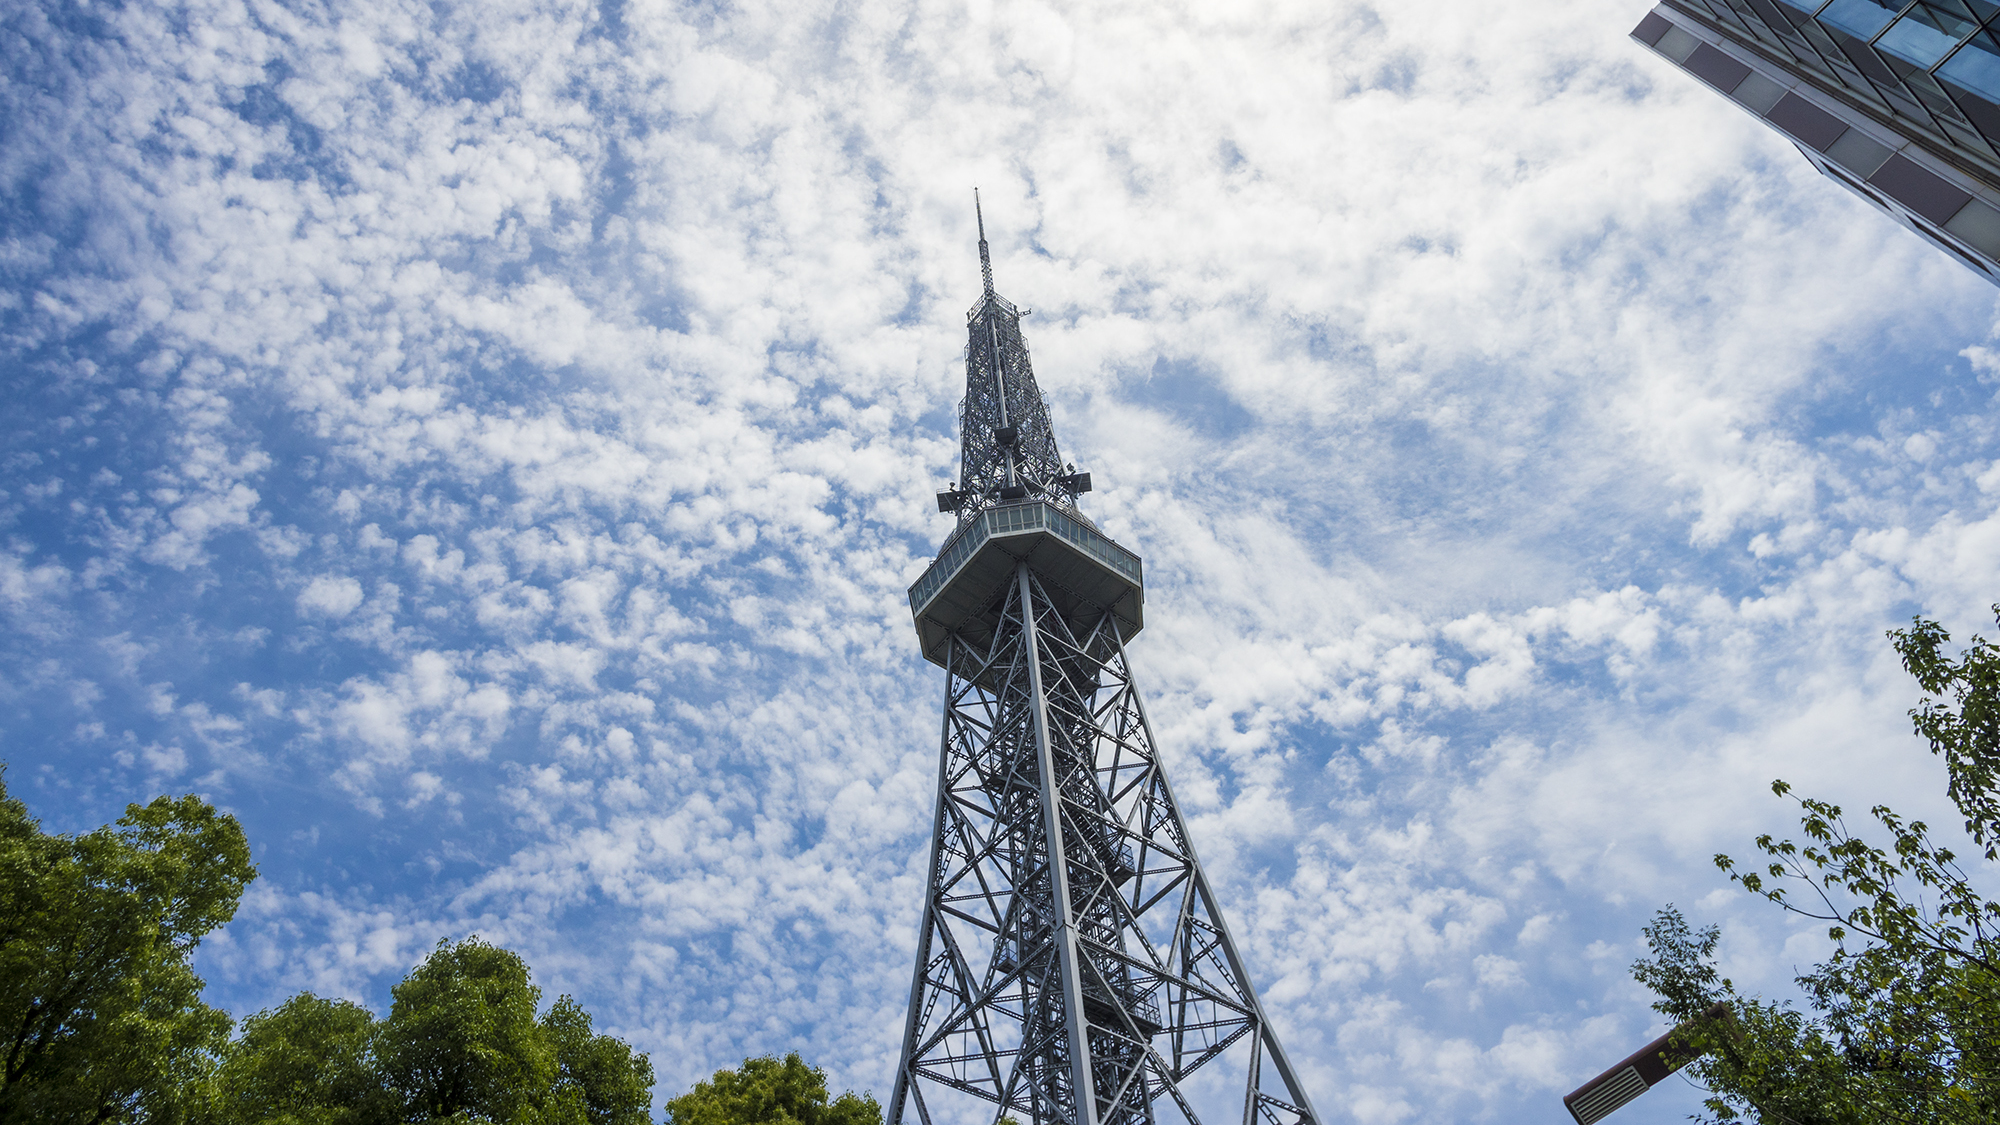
1012, 518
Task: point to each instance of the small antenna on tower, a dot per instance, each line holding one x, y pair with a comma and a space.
985, 259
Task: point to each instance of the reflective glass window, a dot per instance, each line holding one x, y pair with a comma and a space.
1860, 18
1770, 15
1778, 23
1903, 106
1978, 11
1931, 94
1968, 138
1984, 114
1925, 35
1803, 5
1976, 67
1867, 60
1820, 40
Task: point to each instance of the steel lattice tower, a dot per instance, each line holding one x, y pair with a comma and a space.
1089, 991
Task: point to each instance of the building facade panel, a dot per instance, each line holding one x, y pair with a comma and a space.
1896, 100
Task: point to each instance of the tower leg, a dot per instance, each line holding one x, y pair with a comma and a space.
1084, 1111
926, 929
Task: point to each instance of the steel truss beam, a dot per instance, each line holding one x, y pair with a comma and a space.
1006, 437
1086, 991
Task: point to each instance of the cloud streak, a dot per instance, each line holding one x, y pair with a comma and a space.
485, 449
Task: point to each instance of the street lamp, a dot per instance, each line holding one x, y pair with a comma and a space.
1644, 1069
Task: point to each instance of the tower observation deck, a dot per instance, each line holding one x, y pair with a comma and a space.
1073, 965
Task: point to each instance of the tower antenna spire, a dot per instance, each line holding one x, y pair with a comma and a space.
985, 258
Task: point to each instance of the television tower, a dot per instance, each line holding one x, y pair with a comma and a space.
1092, 990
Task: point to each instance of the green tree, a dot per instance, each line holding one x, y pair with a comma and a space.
770, 1091
461, 1040
462, 1044
310, 1061
1904, 1017
101, 1018
602, 1076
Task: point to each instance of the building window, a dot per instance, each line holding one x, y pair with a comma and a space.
1862, 19
1976, 67
1926, 34
1931, 94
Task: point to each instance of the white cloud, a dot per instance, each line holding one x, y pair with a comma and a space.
524, 420
330, 596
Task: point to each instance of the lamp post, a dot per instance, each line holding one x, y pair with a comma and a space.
1641, 1071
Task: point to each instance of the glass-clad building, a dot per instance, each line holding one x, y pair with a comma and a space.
1899, 102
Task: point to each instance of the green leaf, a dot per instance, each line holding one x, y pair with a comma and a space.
101, 1018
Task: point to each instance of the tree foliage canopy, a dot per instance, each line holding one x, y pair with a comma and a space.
1904, 1017
310, 1061
102, 1022
101, 1016
461, 1039
461, 1044
770, 1091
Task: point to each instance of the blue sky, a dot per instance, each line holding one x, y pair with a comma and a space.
484, 447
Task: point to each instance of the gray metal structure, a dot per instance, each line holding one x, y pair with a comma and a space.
1073, 965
